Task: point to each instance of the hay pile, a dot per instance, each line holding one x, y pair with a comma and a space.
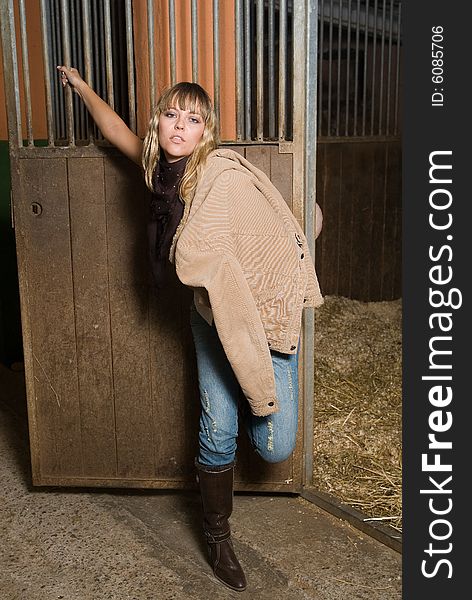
357, 430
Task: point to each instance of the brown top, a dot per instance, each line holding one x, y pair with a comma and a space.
166, 210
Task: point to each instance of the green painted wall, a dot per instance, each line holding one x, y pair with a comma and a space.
11, 347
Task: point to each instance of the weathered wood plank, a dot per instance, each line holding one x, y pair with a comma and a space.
392, 234
174, 391
281, 171
346, 246
378, 221
126, 217
331, 185
361, 222
92, 313
46, 236
259, 156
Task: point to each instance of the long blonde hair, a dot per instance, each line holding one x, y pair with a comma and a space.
191, 97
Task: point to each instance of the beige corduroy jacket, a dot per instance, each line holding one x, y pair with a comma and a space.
242, 250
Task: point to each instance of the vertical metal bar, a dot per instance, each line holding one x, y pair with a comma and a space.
320, 68
271, 67
247, 68
67, 59
338, 85
260, 69
57, 52
172, 34
109, 55
26, 77
389, 70
87, 33
382, 56
73, 36
130, 66
356, 70
239, 70
216, 58
310, 135
152, 60
10, 72
374, 66
195, 41
348, 65
366, 54
330, 65
96, 36
282, 67
47, 72
397, 75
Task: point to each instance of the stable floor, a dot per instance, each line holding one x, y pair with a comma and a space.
83, 544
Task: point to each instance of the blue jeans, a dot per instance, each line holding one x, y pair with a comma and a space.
273, 437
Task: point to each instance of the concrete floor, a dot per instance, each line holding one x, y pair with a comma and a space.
77, 544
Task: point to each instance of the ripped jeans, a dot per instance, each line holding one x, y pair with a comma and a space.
273, 437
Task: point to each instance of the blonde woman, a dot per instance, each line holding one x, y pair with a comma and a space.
232, 239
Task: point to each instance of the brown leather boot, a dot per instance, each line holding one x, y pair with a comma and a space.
216, 489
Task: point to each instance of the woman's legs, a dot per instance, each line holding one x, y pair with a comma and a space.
274, 436
219, 391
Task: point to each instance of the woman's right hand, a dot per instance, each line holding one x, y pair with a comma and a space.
70, 76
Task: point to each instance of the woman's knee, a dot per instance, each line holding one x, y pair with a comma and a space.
274, 450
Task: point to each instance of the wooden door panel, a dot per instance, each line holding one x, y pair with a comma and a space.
92, 315
46, 235
113, 398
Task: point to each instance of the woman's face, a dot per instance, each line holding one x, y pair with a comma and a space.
179, 132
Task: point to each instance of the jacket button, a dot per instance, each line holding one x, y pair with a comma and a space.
270, 404
292, 347
302, 256
304, 300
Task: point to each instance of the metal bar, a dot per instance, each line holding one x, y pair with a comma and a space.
239, 70
10, 73
247, 68
108, 55
67, 58
26, 77
382, 57
348, 66
74, 39
271, 67
96, 21
195, 41
47, 72
172, 38
152, 63
330, 65
356, 69
130, 66
338, 85
282, 67
56, 49
389, 70
310, 135
216, 59
260, 69
397, 75
320, 67
374, 66
366, 54
383, 533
